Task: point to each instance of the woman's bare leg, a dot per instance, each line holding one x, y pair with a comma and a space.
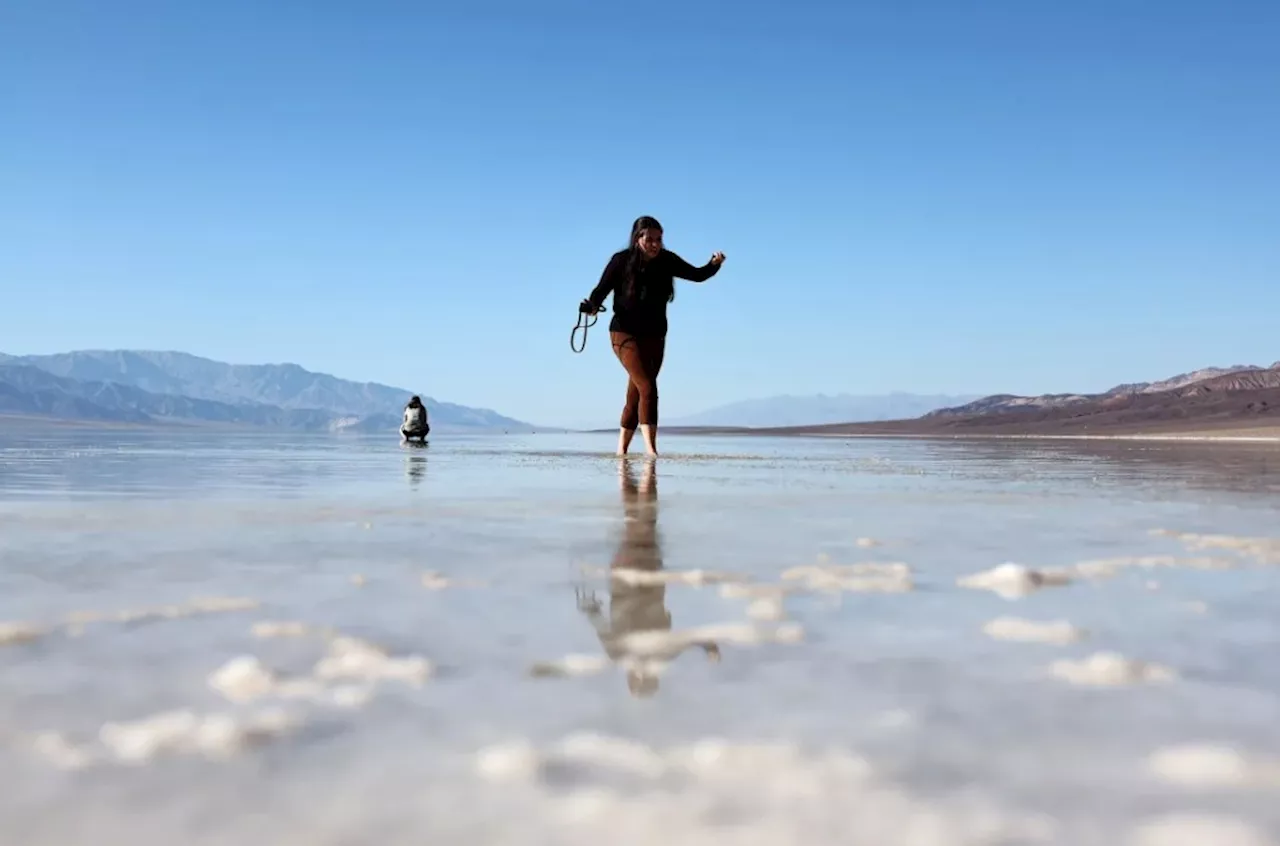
642, 359
650, 435
624, 440
653, 354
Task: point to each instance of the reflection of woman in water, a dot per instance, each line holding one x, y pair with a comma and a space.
632, 607
416, 468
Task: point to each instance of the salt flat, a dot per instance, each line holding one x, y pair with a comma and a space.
244, 638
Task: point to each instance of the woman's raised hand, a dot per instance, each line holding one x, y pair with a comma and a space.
717, 259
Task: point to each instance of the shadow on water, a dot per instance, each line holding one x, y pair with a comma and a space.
635, 607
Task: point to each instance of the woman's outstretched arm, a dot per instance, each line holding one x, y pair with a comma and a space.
682, 269
608, 282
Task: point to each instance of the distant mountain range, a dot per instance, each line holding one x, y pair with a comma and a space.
820, 409
1215, 398
135, 386
146, 387
1234, 378
1240, 376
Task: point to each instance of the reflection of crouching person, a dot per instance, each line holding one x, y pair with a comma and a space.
415, 423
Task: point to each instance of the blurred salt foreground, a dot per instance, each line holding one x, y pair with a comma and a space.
215, 639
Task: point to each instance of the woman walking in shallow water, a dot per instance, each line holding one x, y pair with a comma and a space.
642, 281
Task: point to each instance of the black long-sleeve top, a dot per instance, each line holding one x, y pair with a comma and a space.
642, 312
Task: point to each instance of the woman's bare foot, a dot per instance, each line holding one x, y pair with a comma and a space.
624, 440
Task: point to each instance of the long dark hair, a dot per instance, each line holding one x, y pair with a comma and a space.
636, 256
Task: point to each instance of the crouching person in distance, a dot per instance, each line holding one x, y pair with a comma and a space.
415, 423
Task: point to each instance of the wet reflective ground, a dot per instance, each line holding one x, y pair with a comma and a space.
213, 638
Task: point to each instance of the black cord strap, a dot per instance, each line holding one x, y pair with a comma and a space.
583, 326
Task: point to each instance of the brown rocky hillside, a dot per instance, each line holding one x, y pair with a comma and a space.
1238, 399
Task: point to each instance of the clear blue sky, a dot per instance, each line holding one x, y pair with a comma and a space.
923, 196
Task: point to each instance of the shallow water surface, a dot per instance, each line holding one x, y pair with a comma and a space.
214, 638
